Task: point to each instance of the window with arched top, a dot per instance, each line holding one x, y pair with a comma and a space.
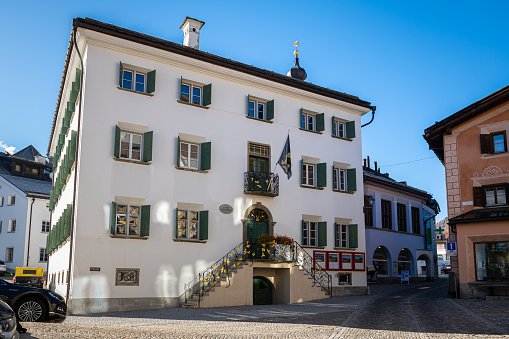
403, 261
380, 260
258, 214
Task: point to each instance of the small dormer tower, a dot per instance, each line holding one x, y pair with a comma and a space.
191, 28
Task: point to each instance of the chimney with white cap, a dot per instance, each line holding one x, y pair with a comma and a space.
191, 28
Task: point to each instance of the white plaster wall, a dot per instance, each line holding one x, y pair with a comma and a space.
37, 238
17, 211
166, 265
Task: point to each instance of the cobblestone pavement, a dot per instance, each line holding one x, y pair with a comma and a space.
391, 311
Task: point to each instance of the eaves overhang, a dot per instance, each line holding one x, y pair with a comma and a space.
434, 135
180, 49
481, 215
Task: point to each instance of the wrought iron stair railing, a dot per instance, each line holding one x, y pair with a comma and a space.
222, 269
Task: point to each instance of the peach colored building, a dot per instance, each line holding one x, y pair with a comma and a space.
472, 145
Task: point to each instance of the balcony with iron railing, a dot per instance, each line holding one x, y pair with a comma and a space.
261, 183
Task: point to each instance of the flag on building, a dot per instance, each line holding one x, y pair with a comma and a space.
285, 160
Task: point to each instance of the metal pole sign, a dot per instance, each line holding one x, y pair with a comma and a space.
452, 248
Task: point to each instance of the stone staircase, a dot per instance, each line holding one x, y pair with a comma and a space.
293, 273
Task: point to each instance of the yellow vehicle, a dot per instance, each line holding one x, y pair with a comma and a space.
29, 276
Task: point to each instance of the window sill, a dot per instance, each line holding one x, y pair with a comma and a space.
190, 104
11, 231
495, 155
190, 170
312, 187
307, 130
346, 192
126, 237
314, 247
189, 240
262, 120
130, 90
346, 139
132, 161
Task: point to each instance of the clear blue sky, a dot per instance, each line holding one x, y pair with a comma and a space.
418, 62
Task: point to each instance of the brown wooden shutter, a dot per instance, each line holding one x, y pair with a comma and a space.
486, 146
478, 196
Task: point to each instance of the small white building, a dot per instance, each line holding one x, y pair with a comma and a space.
25, 186
164, 178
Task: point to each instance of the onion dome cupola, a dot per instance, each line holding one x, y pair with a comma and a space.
296, 71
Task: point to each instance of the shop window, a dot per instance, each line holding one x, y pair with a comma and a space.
492, 260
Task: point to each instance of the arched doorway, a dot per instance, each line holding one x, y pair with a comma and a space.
257, 220
257, 224
405, 261
381, 260
424, 266
262, 291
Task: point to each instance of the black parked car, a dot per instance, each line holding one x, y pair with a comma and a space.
33, 303
7, 322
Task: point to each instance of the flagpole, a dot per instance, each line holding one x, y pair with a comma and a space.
275, 166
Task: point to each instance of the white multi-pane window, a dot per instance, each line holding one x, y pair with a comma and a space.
128, 220
257, 109
12, 225
9, 254
339, 180
341, 236
308, 121
191, 93
338, 129
309, 236
11, 200
188, 224
308, 174
496, 195
189, 155
45, 226
130, 146
43, 256
134, 80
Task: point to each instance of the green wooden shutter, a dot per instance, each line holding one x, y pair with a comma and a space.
48, 243
151, 81
66, 121
270, 110
71, 107
351, 180
69, 221
178, 151
353, 236
350, 129
116, 150
207, 95
113, 218
205, 160
321, 175
334, 179
333, 126
302, 232
336, 240
78, 77
120, 75
303, 126
145, 221
204, 225
322, 233
302, 172
147, 146
320, 123
428, 235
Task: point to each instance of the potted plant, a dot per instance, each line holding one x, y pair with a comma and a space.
283, 240
266, 239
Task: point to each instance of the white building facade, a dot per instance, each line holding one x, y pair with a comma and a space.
164, 164
24, 214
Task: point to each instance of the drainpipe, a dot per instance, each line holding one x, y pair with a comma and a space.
71, 243
30, 229
373, 109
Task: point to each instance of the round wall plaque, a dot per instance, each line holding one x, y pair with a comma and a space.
225, 208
